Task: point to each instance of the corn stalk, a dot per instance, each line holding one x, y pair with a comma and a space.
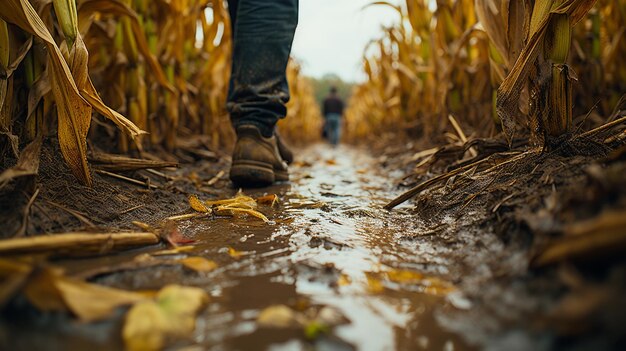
5, 55
543, 62
71, 86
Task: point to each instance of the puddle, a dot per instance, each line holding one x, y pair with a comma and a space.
331, 245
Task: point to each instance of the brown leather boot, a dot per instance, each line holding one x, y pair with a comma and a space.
283, 149
256, 159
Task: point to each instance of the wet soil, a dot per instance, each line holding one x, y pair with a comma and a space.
329, 245
439, 276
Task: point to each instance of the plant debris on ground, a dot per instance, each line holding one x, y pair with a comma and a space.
505, 118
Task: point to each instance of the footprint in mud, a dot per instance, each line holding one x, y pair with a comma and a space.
326, 243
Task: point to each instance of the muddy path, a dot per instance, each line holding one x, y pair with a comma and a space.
330, 250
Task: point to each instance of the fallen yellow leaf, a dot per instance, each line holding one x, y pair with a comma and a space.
197, 205
234, 253
92, 302
174, 251
404, 276
374, 285
344, 280
144, 327
199, 264
278, 316
150, 325
431, 285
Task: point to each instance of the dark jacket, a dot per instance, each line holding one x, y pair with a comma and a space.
333, 104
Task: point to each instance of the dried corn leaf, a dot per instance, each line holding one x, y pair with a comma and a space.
184, 217
216, 178
240, 204
51, 291
91, 95
240, 200
27, 164
77, 244
13, 276
601, 237
175, 251
197, 205
71, 86
269, 200
236, 210
74, 113
109, 162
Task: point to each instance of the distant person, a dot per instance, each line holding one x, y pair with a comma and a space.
333, 111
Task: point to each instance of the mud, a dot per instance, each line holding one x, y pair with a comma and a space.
441, 278
330, 241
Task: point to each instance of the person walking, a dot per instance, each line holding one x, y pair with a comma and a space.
263, 33
333, 112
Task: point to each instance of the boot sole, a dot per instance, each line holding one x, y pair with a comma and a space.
255, 174
281, 176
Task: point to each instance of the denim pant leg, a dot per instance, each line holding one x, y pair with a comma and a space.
333, 128
263, 33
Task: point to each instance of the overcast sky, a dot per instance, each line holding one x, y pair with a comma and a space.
332, 34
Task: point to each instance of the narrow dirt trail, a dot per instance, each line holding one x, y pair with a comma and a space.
331, 252
333, 247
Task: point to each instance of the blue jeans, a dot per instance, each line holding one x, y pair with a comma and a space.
333, 127
263, 32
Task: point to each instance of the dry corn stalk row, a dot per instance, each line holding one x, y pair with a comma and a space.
429, 65
304, 119
493, 64
157, 69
